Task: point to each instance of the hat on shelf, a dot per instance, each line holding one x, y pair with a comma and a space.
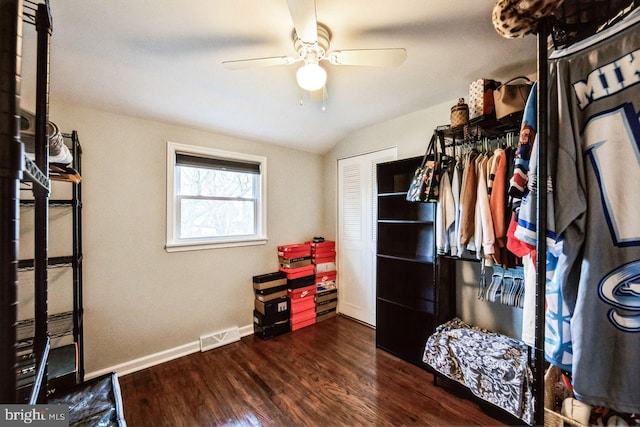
517, 18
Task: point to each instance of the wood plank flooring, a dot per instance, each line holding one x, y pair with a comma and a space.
328, 374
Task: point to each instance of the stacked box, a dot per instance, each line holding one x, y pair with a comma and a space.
296, 263
271, 307
327, 280
299, 272
323, 252
323, 255
326, 304
481, 103
298, 250
301, 282
303, 306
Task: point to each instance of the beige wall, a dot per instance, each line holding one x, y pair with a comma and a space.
411, 134
140, 300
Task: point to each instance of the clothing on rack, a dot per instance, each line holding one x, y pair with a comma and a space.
445, 215
498, 203
594, 88
472, 206
468, 199
522, 242
484, 235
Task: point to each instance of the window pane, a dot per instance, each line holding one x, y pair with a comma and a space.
216, 218
215, 183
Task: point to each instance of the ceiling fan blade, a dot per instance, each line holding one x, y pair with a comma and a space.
319, 95
371, 57
303, 15
258, 62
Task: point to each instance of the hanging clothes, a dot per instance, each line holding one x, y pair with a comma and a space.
484, 235
455, 190
498, 204
468, 200
522, 242
445, 215
594, 88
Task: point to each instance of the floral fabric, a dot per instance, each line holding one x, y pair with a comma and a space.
494, 367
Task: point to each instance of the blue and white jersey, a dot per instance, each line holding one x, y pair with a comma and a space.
594, 134
558, 343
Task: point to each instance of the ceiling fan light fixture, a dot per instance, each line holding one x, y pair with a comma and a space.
311, 76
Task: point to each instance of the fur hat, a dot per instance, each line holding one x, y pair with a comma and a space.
517, 18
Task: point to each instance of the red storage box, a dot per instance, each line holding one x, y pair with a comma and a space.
323, 259
323, 252
303, 324
323, 246
294, 251
296, 273
303, 315
327, 276
303, 319
301, 293
300, 305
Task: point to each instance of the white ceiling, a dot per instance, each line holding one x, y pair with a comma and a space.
162, 59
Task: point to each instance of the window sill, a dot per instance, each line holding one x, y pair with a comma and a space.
199, 246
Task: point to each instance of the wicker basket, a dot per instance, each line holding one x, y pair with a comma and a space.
555, 391
459, 114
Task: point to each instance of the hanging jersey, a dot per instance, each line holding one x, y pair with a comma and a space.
558, 344
595, 135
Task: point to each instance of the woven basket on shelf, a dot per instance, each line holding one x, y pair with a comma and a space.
555, 391
459, 114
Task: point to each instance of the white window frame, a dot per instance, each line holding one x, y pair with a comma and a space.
173, 243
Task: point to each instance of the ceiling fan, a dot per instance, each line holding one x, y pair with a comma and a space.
311, 41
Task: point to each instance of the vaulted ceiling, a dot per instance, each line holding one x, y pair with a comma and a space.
162, 60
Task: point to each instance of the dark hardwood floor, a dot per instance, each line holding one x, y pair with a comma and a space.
328, 374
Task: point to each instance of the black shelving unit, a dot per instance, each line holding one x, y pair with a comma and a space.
414, 291
67, 359
15, 168
25, 346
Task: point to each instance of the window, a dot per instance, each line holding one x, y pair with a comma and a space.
214, 198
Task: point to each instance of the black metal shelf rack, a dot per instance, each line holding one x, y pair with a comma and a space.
31, 338
14, 168
67, 323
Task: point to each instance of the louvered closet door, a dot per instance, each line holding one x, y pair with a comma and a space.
357, 211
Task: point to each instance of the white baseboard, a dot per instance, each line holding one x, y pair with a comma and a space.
246, 330
157, 358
